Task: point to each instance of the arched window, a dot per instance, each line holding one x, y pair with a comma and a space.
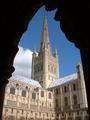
12, 90
74, 86
24, 93
42, 93
33, 95
65, 89
75, 100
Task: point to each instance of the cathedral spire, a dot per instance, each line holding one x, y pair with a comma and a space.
45, 64
45, 43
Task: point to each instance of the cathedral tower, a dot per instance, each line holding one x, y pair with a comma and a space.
44, 63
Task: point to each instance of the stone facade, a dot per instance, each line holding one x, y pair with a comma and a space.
45, 96
27, 102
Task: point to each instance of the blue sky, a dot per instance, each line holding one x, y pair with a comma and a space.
68, 54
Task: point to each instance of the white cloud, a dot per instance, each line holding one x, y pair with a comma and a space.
23, 62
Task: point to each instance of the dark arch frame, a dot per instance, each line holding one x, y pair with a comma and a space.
15, 16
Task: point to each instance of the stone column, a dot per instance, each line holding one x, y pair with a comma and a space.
73, 116
59, 116
83, 115
61, 100
70, 97
66, 116
28, 98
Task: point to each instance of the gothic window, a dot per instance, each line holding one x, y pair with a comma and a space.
49, 95
65, 89
33, 95
42, 93
12, 90
23, 93
75, 100
74, 86
56, 102
66, 101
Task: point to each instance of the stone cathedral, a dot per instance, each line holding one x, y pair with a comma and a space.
46, 96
